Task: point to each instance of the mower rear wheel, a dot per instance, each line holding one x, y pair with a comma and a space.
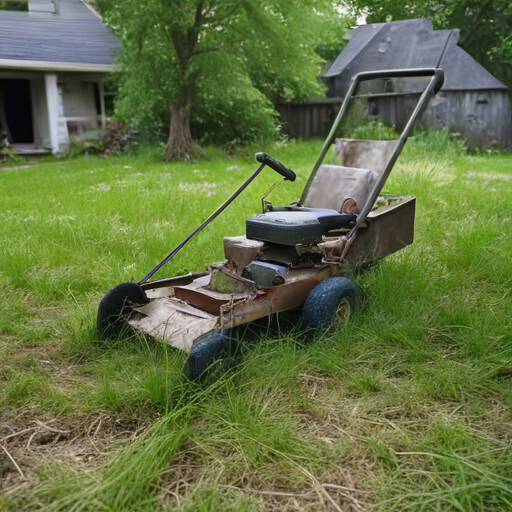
211, 352
331, 302
114, 307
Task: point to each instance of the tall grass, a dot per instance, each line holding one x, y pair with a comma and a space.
406, 407
438, 143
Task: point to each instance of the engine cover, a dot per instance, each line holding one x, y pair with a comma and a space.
304, 225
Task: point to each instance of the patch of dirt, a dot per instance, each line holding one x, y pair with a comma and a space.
276, 490
23, 164
335, 486
27, 442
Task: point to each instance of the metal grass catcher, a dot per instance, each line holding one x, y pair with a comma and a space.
293, 259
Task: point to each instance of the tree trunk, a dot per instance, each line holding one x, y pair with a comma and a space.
180, 145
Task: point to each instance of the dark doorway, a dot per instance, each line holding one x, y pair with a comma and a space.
17, 109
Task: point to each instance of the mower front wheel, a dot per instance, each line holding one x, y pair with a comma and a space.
211, 353
114, 307
332, 301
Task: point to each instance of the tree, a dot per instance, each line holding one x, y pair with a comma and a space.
230, 58
484, 25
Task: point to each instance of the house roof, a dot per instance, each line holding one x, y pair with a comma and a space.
408, 44
72, 39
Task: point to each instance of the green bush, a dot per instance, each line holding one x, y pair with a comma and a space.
359, 125
375, 130
7, 153
435, 141
241, 115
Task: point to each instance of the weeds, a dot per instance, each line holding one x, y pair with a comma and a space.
438, 143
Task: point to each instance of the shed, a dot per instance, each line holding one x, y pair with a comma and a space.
472, 102
53, 59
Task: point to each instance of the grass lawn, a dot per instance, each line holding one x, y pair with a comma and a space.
407, 407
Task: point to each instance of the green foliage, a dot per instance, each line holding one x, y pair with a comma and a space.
222, 63
375, 130
13, 5
504, 50
115, 138
330, 32
380, 11
230, 108
357, 124
7, 153
439, 142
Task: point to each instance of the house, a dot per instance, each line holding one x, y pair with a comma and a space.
471, 102
53, 59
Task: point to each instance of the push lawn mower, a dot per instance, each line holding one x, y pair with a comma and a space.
293, 257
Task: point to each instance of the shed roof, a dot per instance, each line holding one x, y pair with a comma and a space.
408, 44
74, 38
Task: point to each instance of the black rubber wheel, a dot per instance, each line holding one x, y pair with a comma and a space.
115, 305
211, 353
330, 302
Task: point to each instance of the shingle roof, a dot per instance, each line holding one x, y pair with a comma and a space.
408, 44
74, 36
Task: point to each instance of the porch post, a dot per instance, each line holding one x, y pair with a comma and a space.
52, 103
101, 89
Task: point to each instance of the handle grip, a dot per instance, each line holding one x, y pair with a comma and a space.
276, 165
436, 73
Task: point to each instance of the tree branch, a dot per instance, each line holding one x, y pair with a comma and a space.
193, 32
207, 50
477, 21
215, 21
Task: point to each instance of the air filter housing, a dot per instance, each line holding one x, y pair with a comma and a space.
304, 225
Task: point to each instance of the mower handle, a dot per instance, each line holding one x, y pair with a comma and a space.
436, 73
281, 169
264, 159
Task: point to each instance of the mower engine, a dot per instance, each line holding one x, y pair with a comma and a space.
279, 240
298, 226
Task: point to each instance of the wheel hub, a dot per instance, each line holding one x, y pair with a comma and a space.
343, 312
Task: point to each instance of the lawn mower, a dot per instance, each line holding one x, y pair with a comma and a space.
293, 257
